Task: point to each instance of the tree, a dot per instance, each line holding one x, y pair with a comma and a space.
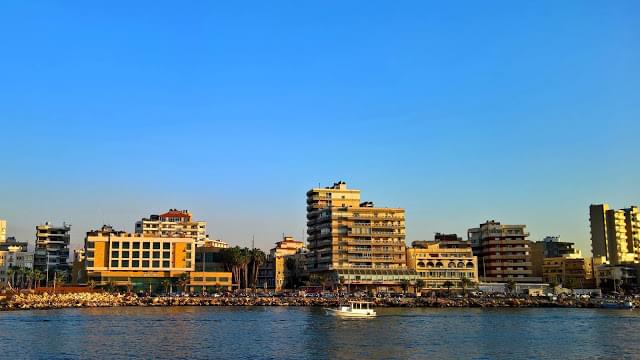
91, 284
510, 286
38, 276
29, 273
404, 284
466, 283
419, 285
11, 275
183, 281
448, 284
258, 258
166, 285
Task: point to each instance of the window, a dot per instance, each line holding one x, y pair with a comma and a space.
125, 254
156, 254
145, 254
136, 254
223, 279
125, 245
89, 254
90, 263
197, 279
166, 246
166, 263
125, 263
135, 263
114, 254
114, 263
115, 245
188, 255
156, 264
156, 246
146, 245
211, 279
166, 254
145, 263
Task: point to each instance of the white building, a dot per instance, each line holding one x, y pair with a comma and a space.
13, 257
3, 230
174, 223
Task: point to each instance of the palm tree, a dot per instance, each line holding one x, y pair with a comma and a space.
37, 277
166, 284
510, 286
11, 273
419, 285
258, 258
30, 275
60, 277
183, 281
404, 284
232, 259
466, 283
22, 272
448, 284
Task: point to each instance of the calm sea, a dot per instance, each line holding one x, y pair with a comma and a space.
306, 333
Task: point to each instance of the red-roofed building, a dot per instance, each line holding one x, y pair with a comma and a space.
173, 223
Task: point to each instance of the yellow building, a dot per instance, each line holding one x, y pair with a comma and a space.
272, 274
140, 261
353, 242
615, 234
438, 262
571, 271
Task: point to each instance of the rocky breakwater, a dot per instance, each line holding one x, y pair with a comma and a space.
70, 300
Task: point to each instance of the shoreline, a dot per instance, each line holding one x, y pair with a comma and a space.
92, 300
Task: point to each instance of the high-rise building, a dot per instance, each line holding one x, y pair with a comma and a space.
3, 230
173, 223
503, 252
354, 243
52, 248
615, 234
549, 247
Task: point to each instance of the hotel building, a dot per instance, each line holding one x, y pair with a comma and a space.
354, 243
173, 223
615, 234
52, 248
441, 261
503, 252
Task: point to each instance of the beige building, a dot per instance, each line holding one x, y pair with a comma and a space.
52, 248
439, 262
615, 234
354, 243
3, 230
14, 256
174, 222
570, 271
503, 252
272, 274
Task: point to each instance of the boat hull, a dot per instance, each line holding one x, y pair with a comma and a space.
350, 314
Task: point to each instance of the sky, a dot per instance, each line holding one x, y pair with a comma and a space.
459, 112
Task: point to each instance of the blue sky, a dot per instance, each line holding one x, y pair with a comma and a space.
523, 112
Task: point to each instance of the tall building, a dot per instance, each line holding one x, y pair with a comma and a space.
615, 234
354, 243
3, 230
173, 223
440, 261
503, 252
52, 248
13, 257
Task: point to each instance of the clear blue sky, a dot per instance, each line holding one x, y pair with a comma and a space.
523, 112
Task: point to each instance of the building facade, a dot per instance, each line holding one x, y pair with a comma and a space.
13, 257
52, 248
355, 243
503, 252
615, 234
273, 273
570, 271
550, 247
174, 222
443, 261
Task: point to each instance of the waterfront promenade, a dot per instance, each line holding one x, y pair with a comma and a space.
103, 299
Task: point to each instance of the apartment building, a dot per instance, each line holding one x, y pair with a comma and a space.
503, 252
354, 243
13, 257
550, 247
174, 222
439, 262
273, 273
570, 271
52, 248
615, 234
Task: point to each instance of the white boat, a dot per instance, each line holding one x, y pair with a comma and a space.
356, 309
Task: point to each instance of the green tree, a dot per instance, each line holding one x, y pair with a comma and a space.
466, 283
448, 284
166, 285
510, 286
404, 284
419, 285
183, 282
258, 258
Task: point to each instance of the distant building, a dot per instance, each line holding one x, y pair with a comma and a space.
13, 257
570, 271
615, 234
354, 243
503, 252
3, 230
446, 260
616, 277
78, 269
272, 274
549, 247
52, 248
173, 223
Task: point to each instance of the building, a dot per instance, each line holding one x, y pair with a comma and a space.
52, 248
355, 243
448, 260
503, 252
616, 277
78, 268
273, 273
174, 222
549, 247
3, 230
570, 271
615, 234
13, 257
137, 260
209, 260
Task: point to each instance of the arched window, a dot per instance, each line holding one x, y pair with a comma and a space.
420, 264
469, 265
439, 264
452, 264
430, 264
460, 264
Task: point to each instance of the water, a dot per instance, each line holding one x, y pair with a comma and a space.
306, 333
